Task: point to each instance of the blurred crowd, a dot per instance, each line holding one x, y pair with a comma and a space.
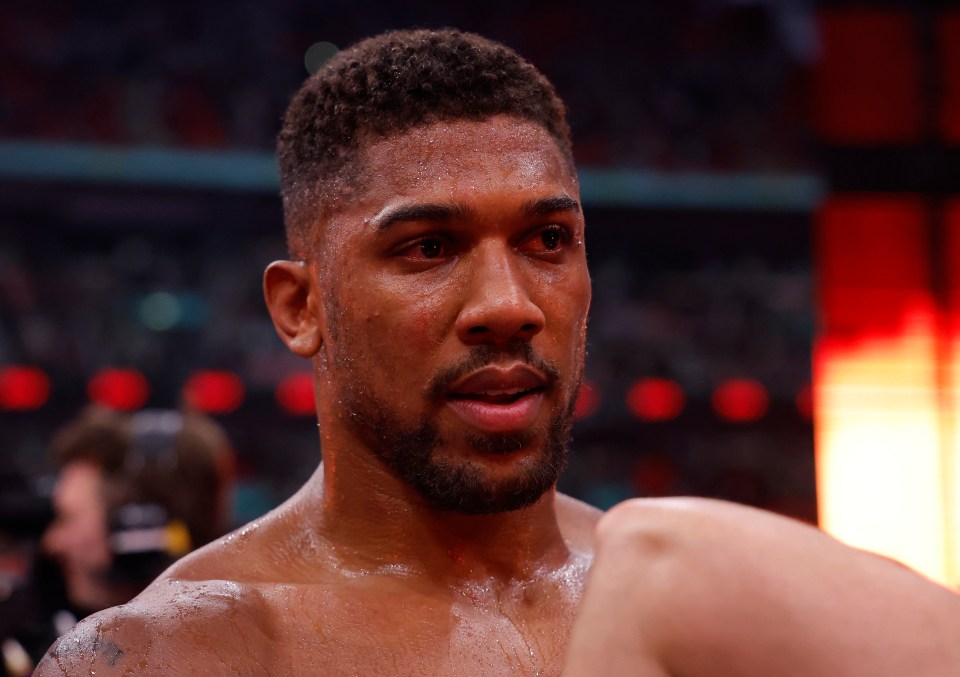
188, 300
694, 84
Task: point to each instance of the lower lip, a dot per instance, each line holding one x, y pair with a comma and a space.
499, 418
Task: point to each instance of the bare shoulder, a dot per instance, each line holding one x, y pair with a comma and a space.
578, 521
269, 550
212, 612
706, 586
756, 550
174, 627
699, 522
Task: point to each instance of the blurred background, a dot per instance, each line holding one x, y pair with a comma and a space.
763, 181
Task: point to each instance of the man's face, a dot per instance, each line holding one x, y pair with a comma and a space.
78, 537
455, 295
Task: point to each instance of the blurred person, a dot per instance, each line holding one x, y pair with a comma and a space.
31, 589
439, 286
133, 493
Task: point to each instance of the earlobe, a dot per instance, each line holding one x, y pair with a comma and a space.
292, 299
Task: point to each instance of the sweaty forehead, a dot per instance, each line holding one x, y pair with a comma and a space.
466, 155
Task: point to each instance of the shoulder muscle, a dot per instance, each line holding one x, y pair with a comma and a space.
173, 628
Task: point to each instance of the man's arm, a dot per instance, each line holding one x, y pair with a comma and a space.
696, 587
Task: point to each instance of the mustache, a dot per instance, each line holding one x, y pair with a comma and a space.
484, 356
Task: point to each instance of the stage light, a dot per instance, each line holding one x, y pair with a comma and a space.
23, 388
213, 391
740, 400
950, 399
122, 389
949, 70
655, 399
295, 395
878, 424
867, 84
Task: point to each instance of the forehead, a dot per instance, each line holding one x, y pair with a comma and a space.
78, 485
466, 159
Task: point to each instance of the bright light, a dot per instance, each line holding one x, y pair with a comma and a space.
214, 392
878, 444
655, 399
741, 400
23, 388
883, 441
295, 395
123, 389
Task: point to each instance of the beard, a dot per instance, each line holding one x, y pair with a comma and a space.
462, 485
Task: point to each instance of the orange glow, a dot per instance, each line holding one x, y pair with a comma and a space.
951, 399
878, 407
878, 445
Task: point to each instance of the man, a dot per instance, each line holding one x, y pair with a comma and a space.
439, 286
133, 492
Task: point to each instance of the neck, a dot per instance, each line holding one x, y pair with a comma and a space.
375, 522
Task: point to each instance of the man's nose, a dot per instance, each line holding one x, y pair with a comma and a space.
498, 307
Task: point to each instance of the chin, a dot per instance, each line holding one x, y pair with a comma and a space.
497, 478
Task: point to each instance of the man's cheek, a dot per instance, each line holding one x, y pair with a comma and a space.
394, 343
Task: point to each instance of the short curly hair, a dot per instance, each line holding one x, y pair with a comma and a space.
388, 84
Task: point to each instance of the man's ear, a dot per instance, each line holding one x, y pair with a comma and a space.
293, 301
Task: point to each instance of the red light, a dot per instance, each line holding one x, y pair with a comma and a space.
295, 395
867, 83
949, 30
873, 263
655, 399
23, 388
741, 400
588, 401
214, 392
123, 389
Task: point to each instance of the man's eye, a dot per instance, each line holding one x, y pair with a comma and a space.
429, 249
552, 238
549, 239
426, 248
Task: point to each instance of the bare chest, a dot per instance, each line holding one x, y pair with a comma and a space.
360, 631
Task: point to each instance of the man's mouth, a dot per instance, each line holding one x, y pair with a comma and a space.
499, 400
504, 396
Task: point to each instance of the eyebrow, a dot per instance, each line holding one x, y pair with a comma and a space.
416, 212
549, 205
442, 213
